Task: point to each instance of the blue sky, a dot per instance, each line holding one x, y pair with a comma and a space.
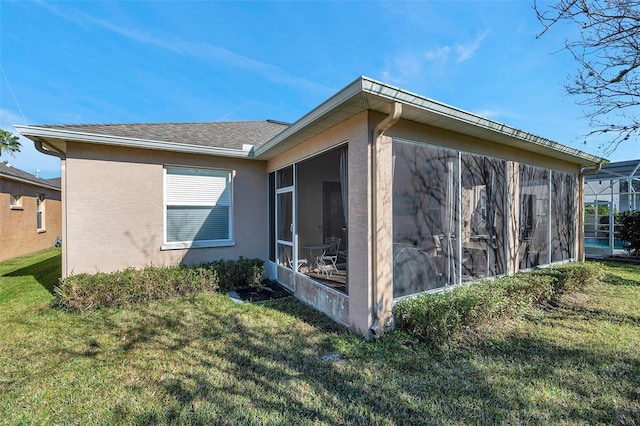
163, 61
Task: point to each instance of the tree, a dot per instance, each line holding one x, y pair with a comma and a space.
8, 142
607, 51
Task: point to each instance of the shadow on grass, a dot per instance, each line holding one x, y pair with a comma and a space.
617, 280
249, 365
574, 372
47, 272
231, 368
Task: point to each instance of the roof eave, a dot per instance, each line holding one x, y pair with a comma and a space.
28, 181
34, 132
457, 115
311, 117
449, 117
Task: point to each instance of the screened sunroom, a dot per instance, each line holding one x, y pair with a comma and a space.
380, 194
452, 221
309, 200
615, 188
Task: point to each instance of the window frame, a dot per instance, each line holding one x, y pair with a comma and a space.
15, 202
177, 245
40, 209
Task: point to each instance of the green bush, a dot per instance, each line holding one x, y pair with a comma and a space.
132, 286
440, 316
603, 210
629, 230
239, 273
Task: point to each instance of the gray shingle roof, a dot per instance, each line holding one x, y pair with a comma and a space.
617, 170
57, 182
9, 171
224, 134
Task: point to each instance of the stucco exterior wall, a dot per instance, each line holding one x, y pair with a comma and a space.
18, 228
115, 211
435, 136
354, 310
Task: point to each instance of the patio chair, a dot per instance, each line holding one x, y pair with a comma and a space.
289, 262
327, 261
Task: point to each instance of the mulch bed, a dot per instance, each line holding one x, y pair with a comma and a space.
267, 291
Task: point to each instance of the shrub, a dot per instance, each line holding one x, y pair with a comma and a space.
239, 273
439, 316
629, 230
132, 286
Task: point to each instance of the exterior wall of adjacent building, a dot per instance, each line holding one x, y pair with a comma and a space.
19, 234
114, 214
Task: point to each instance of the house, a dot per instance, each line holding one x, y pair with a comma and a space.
30, 212
416, 196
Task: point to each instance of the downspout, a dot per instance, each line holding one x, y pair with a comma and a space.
581, 176
377, 327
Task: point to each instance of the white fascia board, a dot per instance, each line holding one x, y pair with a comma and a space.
69, 135
30, 182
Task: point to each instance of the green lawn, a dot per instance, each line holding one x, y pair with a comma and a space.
205, 360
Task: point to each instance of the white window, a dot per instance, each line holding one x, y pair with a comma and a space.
15, 201
197, 207
40, 212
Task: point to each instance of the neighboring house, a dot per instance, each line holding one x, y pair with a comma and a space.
30, 212
374, 195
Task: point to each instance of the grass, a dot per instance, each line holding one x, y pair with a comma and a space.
205, 360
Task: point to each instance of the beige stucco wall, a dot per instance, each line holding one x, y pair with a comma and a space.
356, 312
435, 136
115, 212
18, 229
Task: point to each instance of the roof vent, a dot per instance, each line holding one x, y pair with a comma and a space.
284, 123
37, 173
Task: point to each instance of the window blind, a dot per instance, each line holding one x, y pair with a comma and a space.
198, 204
